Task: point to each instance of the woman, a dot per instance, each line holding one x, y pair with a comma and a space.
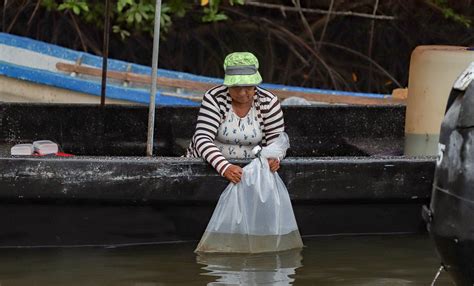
235, 117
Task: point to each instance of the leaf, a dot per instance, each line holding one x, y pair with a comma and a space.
220, 17
449, 13
138, 17
120, 5
165, 19
84, 6
238, 2
76, 10
124, 34
130, 19
62, 7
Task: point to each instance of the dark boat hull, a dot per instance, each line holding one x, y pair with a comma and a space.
109, 201
339, 174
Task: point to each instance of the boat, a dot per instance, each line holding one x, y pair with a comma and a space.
35, 71
345, 174
451, 209
345, 171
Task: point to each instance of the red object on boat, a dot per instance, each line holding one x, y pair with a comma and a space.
62, 154
58, 154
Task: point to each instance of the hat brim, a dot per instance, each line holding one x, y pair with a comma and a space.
243, 80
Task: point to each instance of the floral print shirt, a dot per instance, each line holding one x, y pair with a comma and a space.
236, 136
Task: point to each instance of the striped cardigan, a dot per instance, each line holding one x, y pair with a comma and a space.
215, 106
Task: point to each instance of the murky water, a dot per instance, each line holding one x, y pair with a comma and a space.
244, 243
363, 260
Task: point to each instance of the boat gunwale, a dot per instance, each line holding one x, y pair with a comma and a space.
182, 159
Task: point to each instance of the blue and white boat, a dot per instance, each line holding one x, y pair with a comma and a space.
34, 71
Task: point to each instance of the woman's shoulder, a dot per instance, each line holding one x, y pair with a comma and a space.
266, 97
217, 91
216, 95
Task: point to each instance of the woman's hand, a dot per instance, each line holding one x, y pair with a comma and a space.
274, 164
233, 174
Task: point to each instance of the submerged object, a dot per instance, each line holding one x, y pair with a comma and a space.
451, 211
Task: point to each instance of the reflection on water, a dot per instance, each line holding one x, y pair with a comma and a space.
255, 269
325, 261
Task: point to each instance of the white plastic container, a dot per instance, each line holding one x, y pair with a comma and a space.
22, 150
45, 147
433, 70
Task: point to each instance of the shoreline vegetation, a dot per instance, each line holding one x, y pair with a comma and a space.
361, 46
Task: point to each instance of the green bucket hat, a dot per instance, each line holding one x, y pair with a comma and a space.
241, 69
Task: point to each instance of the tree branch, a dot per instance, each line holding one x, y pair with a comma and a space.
34, 12
384, 71
4, 24
20, 10
328, 18
305, 23
371, 42
76, 26
318, 11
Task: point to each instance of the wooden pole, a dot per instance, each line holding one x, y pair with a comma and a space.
154, 74
105, 53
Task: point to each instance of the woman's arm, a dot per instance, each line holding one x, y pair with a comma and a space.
208, 122
273, 122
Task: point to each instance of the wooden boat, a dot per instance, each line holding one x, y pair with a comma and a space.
344, 174
33, 71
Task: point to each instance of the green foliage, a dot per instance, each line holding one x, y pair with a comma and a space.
75, 6
137, 16
165, 20
238, 2
449, 13
49, 4
121, 4
123, 33
213, 14
179, 7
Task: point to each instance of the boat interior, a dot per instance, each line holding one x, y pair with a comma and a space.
121, 130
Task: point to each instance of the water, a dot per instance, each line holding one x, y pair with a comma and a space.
364, 260
244, 243
435, 279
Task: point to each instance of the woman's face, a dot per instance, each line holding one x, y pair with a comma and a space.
242, 94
